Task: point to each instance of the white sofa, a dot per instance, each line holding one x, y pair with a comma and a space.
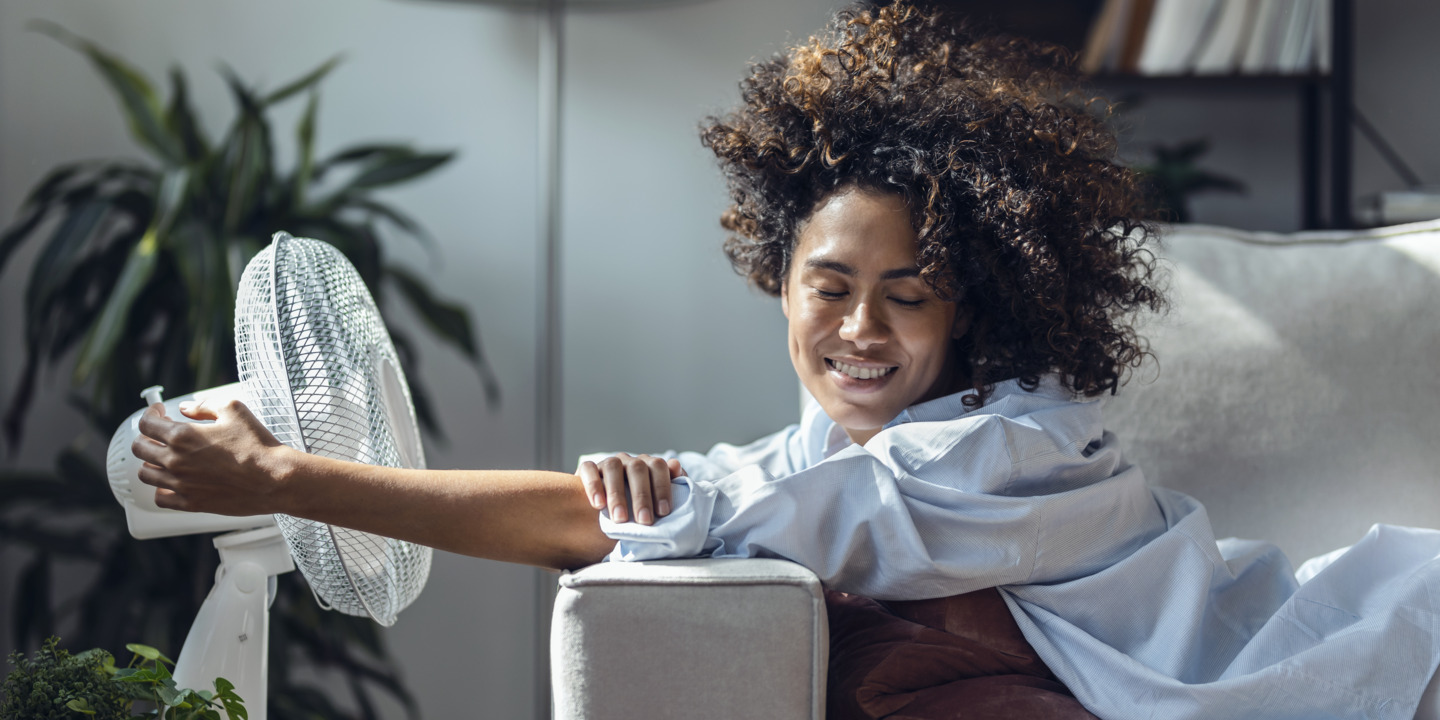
1297, 394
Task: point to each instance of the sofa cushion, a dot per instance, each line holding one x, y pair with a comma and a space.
931, 659
1297, 389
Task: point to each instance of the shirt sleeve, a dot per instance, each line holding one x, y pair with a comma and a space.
914, 513
925, 509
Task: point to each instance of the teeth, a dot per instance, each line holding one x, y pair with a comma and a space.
860, 373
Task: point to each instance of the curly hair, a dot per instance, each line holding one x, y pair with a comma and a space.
1020, 208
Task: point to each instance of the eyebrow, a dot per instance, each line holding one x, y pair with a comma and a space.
843, 269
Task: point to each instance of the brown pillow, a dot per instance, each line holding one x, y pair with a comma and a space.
955, 657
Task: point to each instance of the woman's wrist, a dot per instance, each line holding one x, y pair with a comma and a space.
285, 466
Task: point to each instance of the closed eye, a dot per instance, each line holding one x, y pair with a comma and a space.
829, 294
908, 303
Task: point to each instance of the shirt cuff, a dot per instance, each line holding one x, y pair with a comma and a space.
680, 534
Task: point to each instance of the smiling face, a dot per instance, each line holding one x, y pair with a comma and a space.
867, 336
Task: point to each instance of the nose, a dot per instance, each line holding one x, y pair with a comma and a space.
864, 325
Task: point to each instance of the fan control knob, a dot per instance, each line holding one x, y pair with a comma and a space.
152, 394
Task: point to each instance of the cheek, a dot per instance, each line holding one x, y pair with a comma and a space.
812, 317
930, 338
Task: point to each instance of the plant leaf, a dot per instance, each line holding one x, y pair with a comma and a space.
101, 340
147, 652
247, 163
402, 221
204, 265
73, 306
397, 168
80, 705
180, 119
169, 200
450, 322
360, 153
60, 254
137, 96
36, 206
304, 82
305, 150
419, 396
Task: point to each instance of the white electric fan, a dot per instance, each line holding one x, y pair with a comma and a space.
318, 369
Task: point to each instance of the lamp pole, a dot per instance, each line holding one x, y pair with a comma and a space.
549, 422
549, 419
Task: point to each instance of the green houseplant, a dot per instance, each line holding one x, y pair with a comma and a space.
55, 684
135, 280
1175, 175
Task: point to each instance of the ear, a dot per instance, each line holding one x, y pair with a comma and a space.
785, 298
964, 316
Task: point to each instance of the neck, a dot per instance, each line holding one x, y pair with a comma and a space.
860, 437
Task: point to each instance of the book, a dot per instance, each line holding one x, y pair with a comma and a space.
1221, 52
1403, 206
1290, 56
1175, 30
1134, 38
1263, 49
1106, 38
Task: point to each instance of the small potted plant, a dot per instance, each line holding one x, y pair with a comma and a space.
55, 685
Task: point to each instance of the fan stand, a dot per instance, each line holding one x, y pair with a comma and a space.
230, 637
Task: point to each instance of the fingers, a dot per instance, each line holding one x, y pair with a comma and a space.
659, 485
645, 474
170, 500
158, 476
167, 488
594, 487
150, 451
642, 480
612, 474
154, 424
202, 410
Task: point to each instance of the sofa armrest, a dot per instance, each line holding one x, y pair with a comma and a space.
689, 639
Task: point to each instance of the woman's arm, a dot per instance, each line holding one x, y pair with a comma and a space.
234, 466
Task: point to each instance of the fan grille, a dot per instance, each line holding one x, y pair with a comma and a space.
316, 361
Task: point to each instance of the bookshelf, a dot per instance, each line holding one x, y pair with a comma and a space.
1324, 115
1323, 92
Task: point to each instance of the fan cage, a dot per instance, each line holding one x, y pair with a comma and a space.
323, 376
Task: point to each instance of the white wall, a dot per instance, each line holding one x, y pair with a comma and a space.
641, 196
441, 75
665, 348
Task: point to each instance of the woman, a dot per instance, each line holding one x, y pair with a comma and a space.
955, 252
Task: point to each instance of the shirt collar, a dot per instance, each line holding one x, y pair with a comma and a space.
947, 407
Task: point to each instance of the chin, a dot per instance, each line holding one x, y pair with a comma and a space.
853, 417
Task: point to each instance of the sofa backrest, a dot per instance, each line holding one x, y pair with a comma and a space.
1296, 387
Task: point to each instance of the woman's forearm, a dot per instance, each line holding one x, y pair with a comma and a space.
532, 517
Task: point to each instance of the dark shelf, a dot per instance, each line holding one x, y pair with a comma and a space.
1325, 117
1201, 82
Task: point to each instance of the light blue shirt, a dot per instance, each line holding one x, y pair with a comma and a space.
1120, 587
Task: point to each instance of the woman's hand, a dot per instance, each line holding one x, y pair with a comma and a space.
648, 480
233, 466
